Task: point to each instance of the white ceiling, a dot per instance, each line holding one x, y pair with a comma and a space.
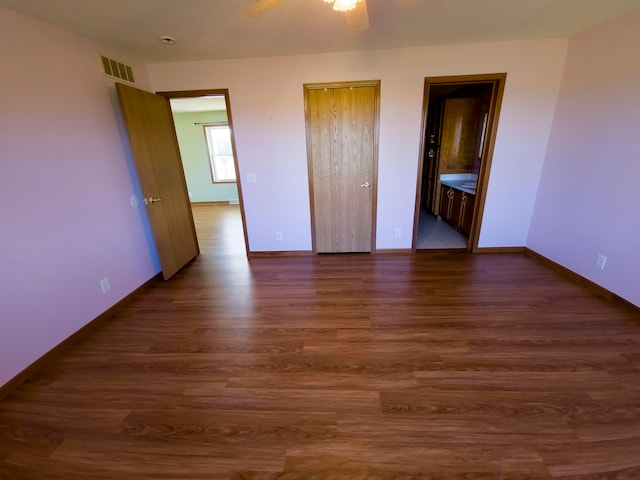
198, 104
216, 29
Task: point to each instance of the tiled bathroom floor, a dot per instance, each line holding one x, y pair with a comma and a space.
434, 233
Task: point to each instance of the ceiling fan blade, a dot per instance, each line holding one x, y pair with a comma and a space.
358, 18
259, 7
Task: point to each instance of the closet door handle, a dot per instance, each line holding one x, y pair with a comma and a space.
365, 185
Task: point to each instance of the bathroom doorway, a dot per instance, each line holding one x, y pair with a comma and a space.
460, 118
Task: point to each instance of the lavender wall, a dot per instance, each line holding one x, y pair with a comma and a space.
269, 131
65, 186
589, 195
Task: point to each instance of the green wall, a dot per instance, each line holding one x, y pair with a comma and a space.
193, 149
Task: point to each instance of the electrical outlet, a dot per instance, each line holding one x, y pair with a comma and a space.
600, 261
278, 235
105, 285
397, 233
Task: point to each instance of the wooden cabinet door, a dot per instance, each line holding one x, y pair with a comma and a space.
456, 202
457, 208
459, 135
466, 213
159, 167
446, 203
342, 149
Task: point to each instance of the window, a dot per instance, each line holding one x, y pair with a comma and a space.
220, 153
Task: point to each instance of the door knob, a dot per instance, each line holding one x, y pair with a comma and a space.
365, 185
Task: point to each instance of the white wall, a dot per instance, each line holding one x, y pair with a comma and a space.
65, 185
268, 111
589, 196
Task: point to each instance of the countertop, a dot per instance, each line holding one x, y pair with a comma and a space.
465, 182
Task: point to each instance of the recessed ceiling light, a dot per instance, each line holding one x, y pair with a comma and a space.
167, 40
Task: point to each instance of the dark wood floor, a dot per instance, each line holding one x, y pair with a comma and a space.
438, 366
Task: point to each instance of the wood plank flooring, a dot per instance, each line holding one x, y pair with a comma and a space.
438, 366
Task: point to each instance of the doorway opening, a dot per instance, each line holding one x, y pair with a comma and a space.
459, 124
204, 131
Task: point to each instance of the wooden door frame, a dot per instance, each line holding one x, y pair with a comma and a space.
498, 80
376, 144
203, 93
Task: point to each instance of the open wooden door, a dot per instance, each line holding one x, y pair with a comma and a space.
342, 121
157, 159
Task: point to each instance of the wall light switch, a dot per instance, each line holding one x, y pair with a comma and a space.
600, 261
252, 177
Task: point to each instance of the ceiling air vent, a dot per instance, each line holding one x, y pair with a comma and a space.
117, 69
